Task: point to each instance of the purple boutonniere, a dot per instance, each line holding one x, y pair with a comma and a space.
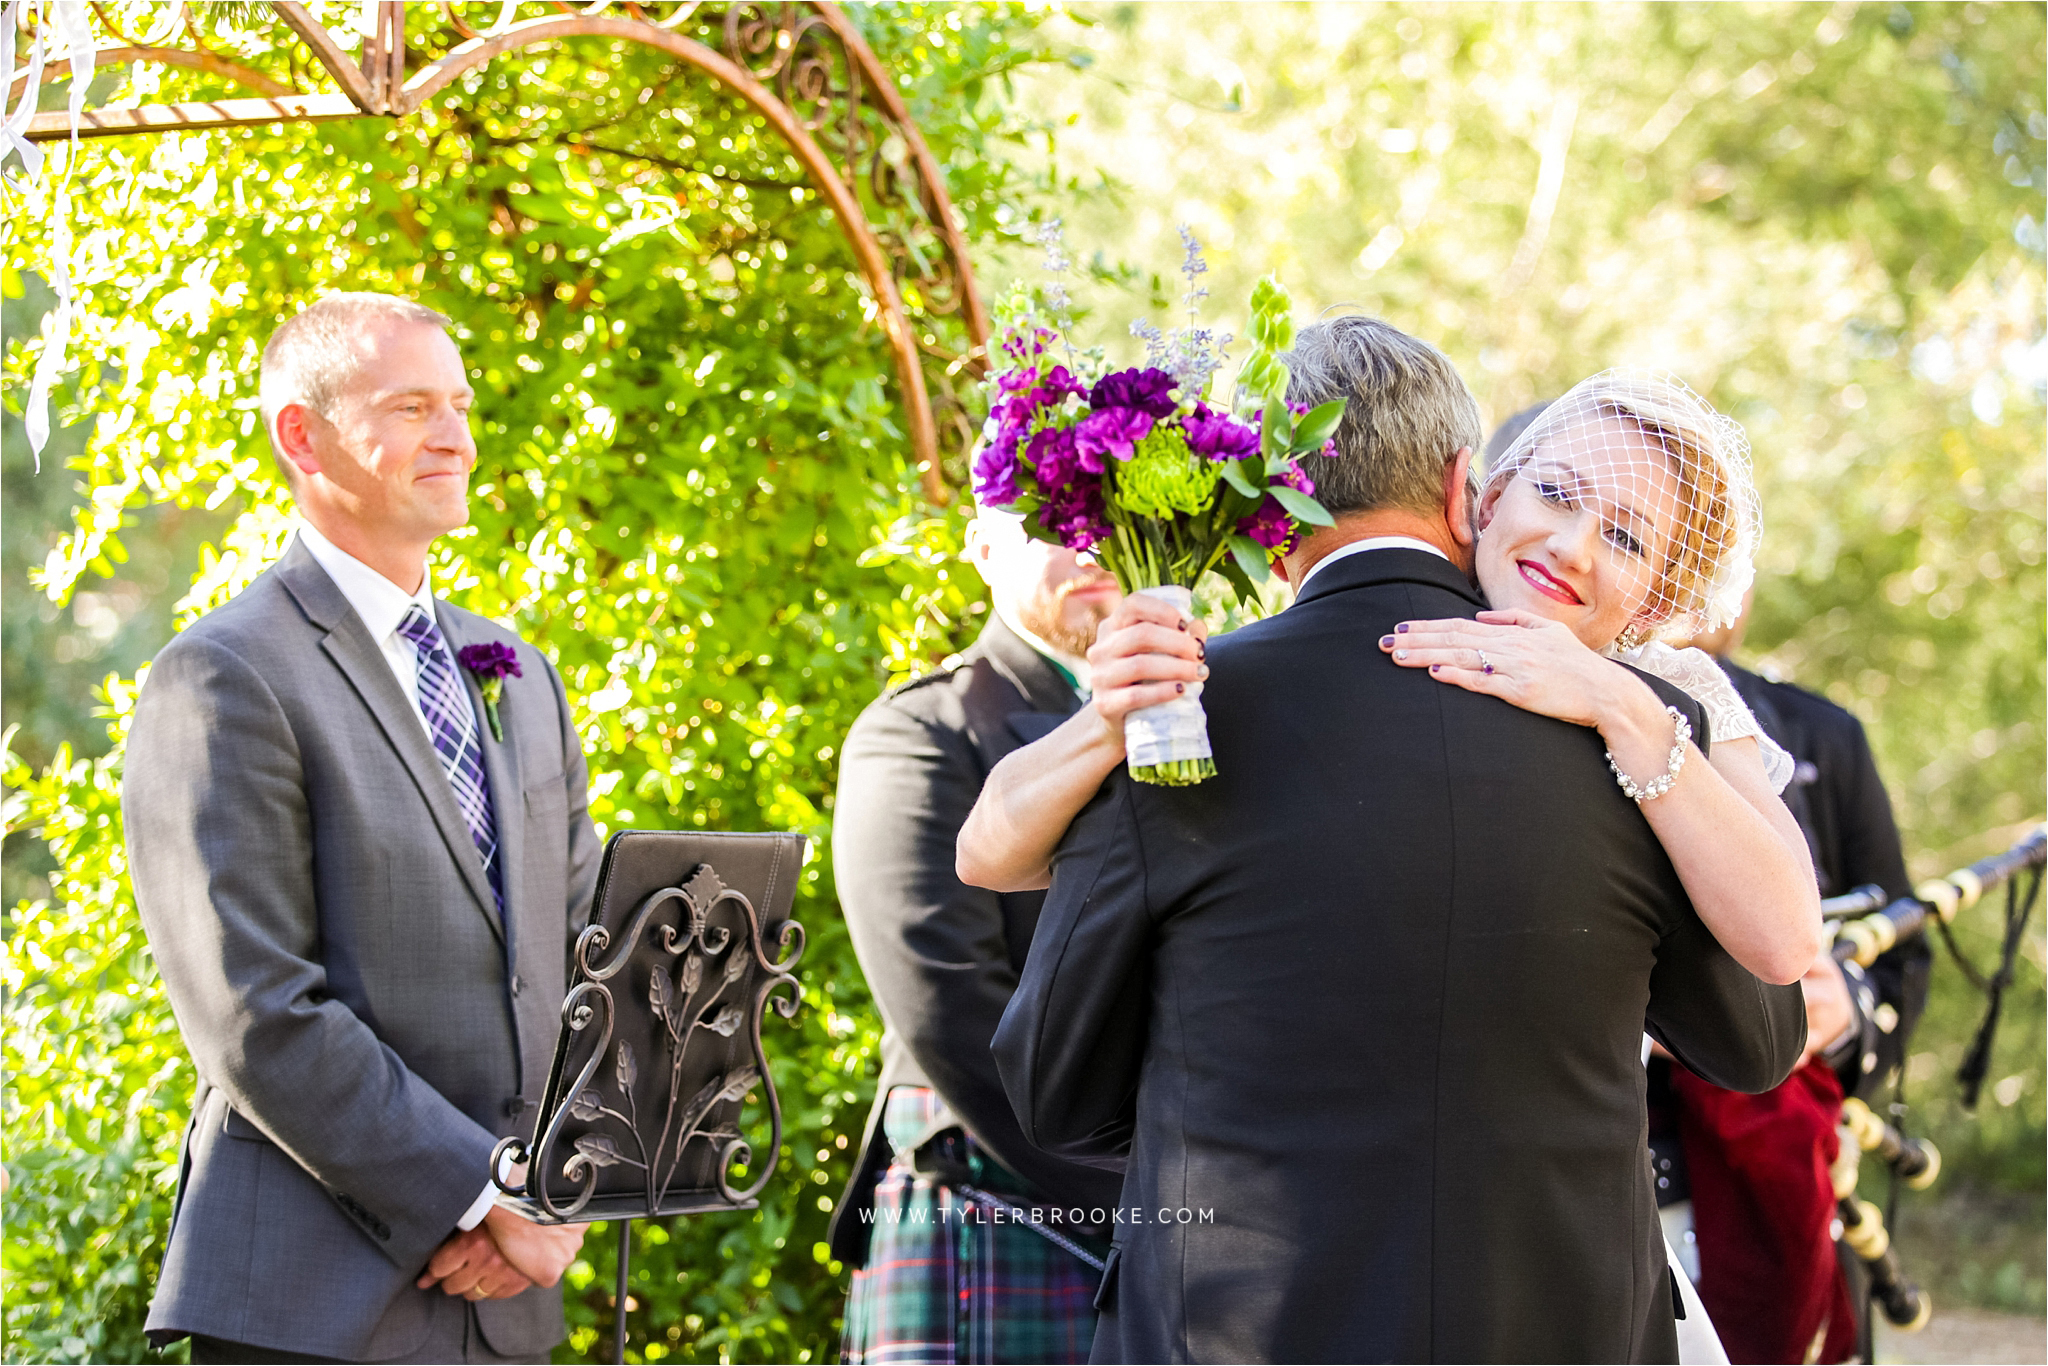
490, 663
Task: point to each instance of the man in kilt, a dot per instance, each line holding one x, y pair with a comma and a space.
968, 1243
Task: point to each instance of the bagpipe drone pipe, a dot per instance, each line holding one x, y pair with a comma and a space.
1866, 926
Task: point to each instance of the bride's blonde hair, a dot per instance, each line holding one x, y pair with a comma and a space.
1699, 584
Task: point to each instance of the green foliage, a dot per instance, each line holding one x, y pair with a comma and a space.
98, 1082
694, 494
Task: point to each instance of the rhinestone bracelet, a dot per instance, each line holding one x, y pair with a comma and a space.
1661, 784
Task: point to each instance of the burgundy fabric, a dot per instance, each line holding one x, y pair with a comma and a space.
1762, 1205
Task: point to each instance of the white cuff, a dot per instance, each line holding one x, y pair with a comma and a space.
479, 1209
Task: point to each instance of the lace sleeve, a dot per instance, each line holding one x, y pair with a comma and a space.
1699, 676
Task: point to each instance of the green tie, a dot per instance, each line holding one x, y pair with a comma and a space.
1068, 674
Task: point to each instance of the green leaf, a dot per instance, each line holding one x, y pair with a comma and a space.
1302, 507
1250, 484
1241, 586
1250, 558
1318, 425
1276, 429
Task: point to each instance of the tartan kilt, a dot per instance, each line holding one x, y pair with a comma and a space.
945, 1283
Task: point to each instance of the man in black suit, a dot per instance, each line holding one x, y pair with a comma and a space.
942, 959
1360, 1017
1840, 802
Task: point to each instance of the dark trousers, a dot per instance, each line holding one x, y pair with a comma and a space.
454, 1337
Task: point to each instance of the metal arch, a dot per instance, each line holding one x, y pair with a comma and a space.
377, 86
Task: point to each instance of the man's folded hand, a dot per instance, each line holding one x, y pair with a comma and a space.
539, 1252
469, 1264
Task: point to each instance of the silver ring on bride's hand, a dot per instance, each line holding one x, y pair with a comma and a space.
1485, 665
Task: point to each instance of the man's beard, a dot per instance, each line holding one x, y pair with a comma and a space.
1045, 616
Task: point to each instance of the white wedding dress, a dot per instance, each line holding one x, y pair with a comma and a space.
1729, 718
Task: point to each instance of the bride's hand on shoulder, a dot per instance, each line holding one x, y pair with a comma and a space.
1145, 652
1530, 661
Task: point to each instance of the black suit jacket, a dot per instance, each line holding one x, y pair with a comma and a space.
1369, 1006
941, 957
1839, 800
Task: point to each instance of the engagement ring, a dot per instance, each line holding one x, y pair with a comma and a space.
1485, 666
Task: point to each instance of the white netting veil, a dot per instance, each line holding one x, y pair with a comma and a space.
1670, 481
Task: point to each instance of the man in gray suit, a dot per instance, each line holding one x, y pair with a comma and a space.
361, 889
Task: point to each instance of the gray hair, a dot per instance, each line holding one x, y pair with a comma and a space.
311, 359
1407, 414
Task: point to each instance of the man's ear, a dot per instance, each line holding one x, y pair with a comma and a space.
293, 436
1461, 511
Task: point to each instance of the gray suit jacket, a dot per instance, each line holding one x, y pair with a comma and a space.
363, 1025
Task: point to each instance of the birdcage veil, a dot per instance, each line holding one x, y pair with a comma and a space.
1671, 481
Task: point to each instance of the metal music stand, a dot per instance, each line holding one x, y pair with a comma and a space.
660, 1046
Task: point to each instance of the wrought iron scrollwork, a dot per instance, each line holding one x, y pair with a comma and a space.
809, 61
691, 959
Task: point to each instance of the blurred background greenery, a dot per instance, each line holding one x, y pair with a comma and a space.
1828, 218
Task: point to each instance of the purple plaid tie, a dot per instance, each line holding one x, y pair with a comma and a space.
452, 722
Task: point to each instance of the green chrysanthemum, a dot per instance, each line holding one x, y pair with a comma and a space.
1163, 476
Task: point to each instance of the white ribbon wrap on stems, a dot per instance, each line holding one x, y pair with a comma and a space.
1169, 731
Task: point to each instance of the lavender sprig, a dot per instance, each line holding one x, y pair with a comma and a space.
1190, 354
1051, 236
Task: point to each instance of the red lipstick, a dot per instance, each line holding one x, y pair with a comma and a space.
1548, 584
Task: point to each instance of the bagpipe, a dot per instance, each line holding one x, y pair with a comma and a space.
1867, 925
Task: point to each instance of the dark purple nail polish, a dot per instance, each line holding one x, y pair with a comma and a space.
1180, 687
1402, 627
1183, 625
1434, 667
1386, 642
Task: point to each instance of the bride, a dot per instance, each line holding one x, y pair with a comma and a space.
1624, 515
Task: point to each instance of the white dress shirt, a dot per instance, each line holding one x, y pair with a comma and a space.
381, 605
1360, 547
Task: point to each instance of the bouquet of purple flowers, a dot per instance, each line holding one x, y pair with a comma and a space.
1137, 468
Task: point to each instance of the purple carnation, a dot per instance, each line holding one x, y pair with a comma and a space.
1218, 436
493, 660
1110, 431
1149, 391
